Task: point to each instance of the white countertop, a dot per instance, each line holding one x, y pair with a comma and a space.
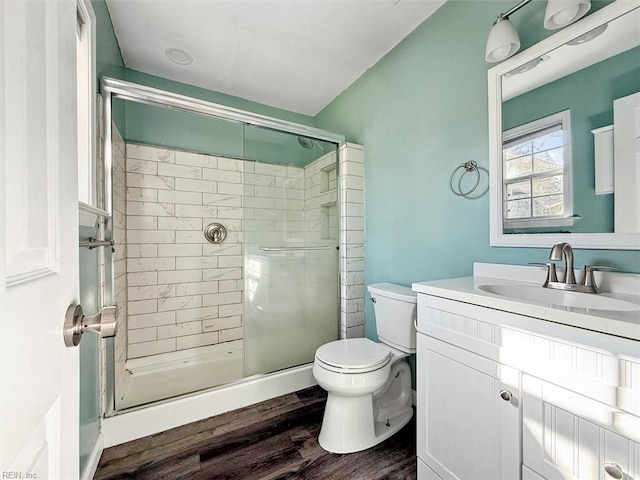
466, 289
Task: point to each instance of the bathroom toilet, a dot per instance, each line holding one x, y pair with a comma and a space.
368, 383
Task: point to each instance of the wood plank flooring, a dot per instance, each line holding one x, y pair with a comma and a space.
276, 439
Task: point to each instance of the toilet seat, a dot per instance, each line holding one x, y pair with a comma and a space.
354, 355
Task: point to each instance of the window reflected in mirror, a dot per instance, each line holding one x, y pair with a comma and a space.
536, 160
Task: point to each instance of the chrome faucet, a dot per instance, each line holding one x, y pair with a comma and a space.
558, 251
563, 251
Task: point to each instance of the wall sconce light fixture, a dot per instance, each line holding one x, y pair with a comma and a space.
503, 39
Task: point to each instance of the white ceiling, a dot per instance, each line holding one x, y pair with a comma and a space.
296, 55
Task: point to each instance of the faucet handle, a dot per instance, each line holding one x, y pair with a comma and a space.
552, 276
602, 268
588, 280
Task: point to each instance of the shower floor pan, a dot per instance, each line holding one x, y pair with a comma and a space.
168, 375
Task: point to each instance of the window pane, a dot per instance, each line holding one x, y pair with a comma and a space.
547, 185
518, 150
518, 167
518, 208
548, 160
519, 190
547, 206
548, 141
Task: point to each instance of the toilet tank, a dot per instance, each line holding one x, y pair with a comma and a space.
395, 312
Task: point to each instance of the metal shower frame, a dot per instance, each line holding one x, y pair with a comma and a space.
112, 88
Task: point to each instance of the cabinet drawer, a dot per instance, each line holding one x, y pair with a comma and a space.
599, 366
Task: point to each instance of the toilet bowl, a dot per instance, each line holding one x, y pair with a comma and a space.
368, 383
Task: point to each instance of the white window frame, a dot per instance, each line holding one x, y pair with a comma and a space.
566, 219
86, 98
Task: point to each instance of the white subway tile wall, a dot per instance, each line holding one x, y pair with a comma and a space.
320, 199
174, 274
182, 292
352, 281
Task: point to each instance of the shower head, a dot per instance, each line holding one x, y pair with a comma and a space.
308, 143
305, 142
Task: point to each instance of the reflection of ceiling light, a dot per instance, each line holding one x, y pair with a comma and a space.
527, 66
179, 56
590, 35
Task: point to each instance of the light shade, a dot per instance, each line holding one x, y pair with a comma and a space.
503, 41
560, 13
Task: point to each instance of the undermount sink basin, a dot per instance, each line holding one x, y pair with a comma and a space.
560, 298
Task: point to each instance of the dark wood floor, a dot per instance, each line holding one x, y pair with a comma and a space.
276, 439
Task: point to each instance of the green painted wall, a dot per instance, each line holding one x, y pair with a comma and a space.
216, 97
420, 112
109, 61
601, 84
160, 126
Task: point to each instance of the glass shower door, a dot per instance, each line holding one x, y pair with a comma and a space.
291, 253
291, 305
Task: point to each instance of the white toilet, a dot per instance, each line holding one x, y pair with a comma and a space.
368, 383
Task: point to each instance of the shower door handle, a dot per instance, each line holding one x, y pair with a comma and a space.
76, 323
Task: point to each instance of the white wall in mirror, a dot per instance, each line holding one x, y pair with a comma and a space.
497, 79
626, 165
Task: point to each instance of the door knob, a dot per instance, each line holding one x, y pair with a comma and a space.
76, 323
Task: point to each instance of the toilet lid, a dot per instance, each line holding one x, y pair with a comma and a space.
359, 354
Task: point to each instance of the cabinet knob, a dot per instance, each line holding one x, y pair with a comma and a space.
613, 470
506, 395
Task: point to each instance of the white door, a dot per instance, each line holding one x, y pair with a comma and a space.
38, 239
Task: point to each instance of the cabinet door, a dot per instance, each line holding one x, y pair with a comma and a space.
466, 430
569, 436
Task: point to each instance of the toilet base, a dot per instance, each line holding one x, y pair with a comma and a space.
354, 423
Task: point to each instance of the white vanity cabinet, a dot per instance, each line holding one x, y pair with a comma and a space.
573, 408
468, 414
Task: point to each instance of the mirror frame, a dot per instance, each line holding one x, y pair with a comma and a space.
614, 241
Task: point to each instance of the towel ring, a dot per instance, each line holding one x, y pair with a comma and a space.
468, 167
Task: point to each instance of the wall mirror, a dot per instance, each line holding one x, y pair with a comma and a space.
557, 171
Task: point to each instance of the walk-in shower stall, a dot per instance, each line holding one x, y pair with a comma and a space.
226, 263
